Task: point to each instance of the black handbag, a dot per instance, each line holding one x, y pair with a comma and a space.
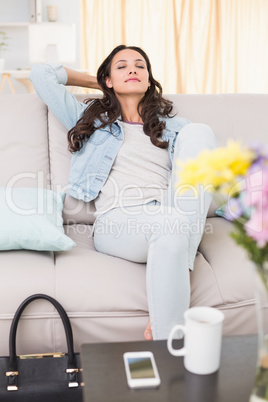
54, 377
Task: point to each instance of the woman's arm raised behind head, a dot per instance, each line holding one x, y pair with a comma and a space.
81, 79
49, 82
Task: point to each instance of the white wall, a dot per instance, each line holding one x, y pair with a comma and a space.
16, 54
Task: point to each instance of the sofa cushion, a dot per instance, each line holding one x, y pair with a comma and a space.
103, 284
74, 211
24, 142
23, 273
31, 218
231, 268
239, 116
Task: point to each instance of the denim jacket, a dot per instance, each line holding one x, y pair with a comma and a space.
91, 165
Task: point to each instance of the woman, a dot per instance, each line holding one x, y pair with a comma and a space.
125, 147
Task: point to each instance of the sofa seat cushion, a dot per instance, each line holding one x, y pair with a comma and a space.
118, 287
26, 272
232, 272
118, 282
93, 282
230, 277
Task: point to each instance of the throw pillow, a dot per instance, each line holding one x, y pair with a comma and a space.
31, 218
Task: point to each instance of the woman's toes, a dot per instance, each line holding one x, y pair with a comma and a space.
148, 332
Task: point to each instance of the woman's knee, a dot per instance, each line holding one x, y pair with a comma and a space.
199, 132
176, 231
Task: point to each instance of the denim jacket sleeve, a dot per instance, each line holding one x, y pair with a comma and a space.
49, 83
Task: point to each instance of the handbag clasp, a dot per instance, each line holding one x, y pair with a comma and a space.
72, 374
12, 381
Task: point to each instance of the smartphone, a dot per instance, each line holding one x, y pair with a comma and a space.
141, 370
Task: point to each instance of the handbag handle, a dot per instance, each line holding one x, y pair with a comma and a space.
66, 323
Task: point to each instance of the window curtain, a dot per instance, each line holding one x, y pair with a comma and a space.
195, 46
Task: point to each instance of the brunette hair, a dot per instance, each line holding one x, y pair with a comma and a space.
107, 109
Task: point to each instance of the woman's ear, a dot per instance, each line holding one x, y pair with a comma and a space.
108, 82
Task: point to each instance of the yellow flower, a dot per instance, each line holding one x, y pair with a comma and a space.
218, 169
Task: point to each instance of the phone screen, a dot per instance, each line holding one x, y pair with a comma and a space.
141, 367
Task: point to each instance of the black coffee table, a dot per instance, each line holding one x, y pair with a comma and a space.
105, 379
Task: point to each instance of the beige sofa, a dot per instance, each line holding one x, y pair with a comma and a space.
105, 296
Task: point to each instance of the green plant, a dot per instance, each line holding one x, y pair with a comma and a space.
3, 42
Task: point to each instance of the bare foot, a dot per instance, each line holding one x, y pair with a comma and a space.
148, 332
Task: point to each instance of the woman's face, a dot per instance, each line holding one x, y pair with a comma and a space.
129, 74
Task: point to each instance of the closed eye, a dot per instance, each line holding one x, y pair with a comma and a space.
120, 67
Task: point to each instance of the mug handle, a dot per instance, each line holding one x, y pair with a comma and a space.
176, 352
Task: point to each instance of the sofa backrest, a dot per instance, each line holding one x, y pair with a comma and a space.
24, 146
33, 145
75, 211
239, 116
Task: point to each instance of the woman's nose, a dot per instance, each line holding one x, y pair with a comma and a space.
132, 71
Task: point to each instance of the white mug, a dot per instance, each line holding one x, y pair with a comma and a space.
202, 339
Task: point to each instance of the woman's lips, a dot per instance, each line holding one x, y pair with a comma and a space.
132, 79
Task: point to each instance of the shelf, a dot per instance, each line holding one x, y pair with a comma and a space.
14, 24
26, 24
